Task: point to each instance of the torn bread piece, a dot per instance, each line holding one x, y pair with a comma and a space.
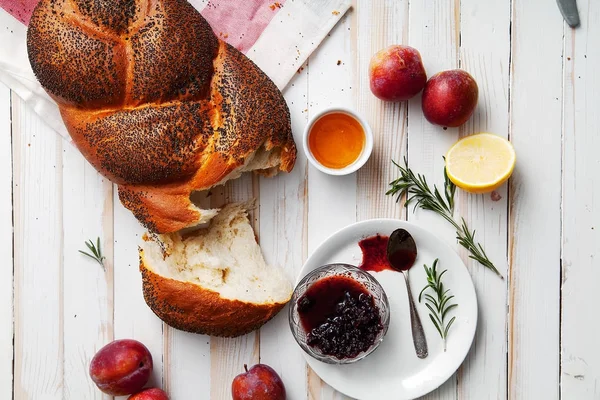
214, 280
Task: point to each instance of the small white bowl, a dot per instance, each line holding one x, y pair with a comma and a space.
362, 158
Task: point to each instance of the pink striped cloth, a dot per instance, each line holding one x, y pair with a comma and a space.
277, 35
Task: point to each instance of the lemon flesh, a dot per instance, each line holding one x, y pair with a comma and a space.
480, 163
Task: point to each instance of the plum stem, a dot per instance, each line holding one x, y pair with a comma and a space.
246, 367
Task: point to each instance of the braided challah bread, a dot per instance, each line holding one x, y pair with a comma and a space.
157, 103
163, 108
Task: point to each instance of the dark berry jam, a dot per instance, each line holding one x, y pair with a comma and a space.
374, 250
340, 316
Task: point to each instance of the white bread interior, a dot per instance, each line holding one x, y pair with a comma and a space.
265, 162
223, 257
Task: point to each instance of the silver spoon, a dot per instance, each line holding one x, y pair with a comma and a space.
401, 254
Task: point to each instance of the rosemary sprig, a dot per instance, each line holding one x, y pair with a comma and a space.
439, 306
417, 191
96, 251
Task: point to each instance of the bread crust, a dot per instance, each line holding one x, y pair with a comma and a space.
155, 101
192, 308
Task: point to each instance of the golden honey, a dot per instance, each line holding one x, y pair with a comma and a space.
336, 140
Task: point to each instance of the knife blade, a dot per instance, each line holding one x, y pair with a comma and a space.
568, 8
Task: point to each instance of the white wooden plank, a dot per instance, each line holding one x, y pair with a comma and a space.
132, 317
186, 364
433, 30
187, 356
228, 355
330, 84
580, 378
88, 288
331, 199
38, 250
6, 248
380, 24
535, 196
484, 53
283, 206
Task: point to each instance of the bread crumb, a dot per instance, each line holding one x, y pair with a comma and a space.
339, 62
495, 196
275, 5
335, 12
300, 69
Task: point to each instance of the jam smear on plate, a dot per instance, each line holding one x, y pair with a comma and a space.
340, 316
374, 250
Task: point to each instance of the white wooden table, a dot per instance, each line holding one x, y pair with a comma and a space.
538, 329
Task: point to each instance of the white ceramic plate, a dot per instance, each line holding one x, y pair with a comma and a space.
393, 370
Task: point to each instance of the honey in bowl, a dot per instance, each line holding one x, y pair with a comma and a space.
336, 140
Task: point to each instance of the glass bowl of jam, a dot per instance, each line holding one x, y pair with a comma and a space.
339, 314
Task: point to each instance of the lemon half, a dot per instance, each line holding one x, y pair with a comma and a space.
480, 163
